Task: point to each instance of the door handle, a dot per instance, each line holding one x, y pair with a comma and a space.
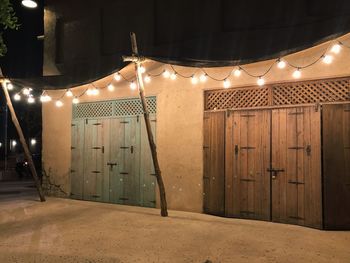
111, 165
274, 172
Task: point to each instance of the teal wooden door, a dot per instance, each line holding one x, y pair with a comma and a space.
93, 160
77, 159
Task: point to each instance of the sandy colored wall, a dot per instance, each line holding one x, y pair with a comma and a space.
179, 120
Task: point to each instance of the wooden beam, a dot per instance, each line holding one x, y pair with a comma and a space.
23, 142
137, 61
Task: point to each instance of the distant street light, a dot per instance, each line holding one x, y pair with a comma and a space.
29, 3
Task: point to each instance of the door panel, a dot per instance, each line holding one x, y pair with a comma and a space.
247, 159
295, 165
77, 159
336, 166
214, 163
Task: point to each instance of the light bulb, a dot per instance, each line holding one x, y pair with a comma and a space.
59, 103
69, 93
203, 78
237, 72
336, 48
89, 92
14, 143
297, 74
148, 79
32, 141
26, 91
281, 64
31, 100
133, 85
260, 81
117, 76
327, 59
95, 91
173, 76
142, 69
226, 83
194, 79
17, 97
9, 86
110, 87
29, 3
166, 74
75, 100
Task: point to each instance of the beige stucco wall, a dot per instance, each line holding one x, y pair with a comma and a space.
179, 119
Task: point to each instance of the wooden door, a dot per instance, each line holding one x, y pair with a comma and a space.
336, 166
296, 166
147, 175
214, 163
247, 159
130, 164
77, 159
93, 161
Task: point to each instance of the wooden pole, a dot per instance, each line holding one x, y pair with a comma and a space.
23, 142
137, 60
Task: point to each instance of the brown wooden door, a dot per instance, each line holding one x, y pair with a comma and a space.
336, 166
247, 159
214, 163
296, 166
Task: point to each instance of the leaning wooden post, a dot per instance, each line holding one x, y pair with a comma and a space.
137, 60
23, 142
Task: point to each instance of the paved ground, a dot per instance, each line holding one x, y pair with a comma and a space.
62, 230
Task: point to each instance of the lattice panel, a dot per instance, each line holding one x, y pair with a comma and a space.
237, 98
134, 107
92, 110
311, 92
123, 107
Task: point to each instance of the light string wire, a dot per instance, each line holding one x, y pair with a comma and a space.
205, 73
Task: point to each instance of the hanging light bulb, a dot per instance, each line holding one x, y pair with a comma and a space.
59, 103
45, 98
75, 100
297, 73
31, 100
260, 81
336, 48
237, 72
142, 69
29, 3
17, 97
133, 85
33, 141
194, 79
327, 59
69, 93
110, 87
173, 76
26, 91
203, 77
9, 86
117, 76
147, 79
89, 92
166, 74
95, 91
281, 63
226, 83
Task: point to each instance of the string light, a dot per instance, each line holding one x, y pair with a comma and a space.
260, 81
45, 98
194, 80
173, 76
281, 63
17, 97
33, 141
226, 83
336, 48
237, 72
327, 59
117, 76
110, 87
26, 91
166, 74
297, 73
75, 100
59, 103
69, 93
133, 85
31, 100
142, 69
203, 77
9, 86
147, 79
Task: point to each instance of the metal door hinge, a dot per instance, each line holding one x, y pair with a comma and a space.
247, 115
96, 196
247, 147
296, 148
72, 171
96, 124
123, 198
295, 182
124, 122
72, 148
247, 180
95, 172
124, 147
123, 173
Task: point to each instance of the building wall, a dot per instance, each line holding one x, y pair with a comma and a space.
179, 119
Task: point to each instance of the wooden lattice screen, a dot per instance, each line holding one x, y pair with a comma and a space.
320, 91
